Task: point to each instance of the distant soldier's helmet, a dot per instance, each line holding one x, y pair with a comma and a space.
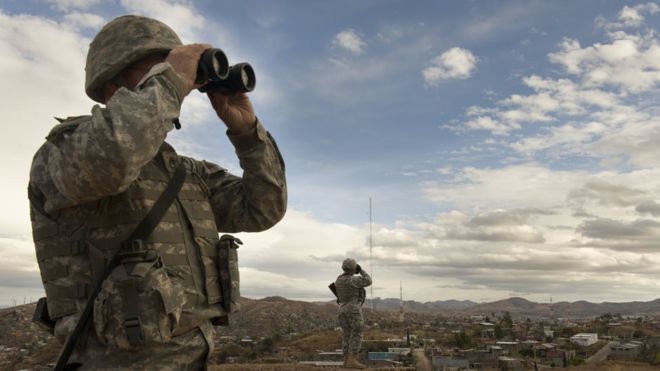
349, 265
122, 41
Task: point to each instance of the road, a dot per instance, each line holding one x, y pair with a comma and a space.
602, 354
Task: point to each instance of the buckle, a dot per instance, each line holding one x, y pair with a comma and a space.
81, 291
132, 249
133, 330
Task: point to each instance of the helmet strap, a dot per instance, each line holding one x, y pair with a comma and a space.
119, 81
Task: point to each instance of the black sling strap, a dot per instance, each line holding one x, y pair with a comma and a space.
141, 232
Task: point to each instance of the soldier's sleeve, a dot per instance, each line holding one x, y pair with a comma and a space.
103, 156
363, 280
258, 199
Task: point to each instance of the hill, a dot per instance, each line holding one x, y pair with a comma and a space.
519, 307
25, 345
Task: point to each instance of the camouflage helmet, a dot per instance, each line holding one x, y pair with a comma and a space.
122, 41
349, 265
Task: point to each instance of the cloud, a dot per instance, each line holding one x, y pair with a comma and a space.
649, 207
629, 16
181, 16
492, 226
641, 229
639, 235
628, 63
84, 20
552, 100
39, 55
67, 5
519, 186
600, 107
455, 63
608, 194
350, 41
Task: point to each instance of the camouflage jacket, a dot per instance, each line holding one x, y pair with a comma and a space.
95, 175
348, 287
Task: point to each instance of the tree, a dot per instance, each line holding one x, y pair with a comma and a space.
462, 340
267, 346
498, 332
506, 321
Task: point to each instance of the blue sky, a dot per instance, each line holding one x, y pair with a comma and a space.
509, 147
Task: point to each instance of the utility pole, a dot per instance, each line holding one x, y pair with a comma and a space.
371, 264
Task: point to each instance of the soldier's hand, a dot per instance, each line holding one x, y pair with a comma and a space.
235, 110
185, 59
358, 269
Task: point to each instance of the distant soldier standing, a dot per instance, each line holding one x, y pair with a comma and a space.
350, 296
98, 176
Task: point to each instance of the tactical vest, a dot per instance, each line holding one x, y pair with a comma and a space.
73, 247
346, 292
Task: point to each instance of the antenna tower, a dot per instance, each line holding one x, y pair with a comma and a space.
371, 264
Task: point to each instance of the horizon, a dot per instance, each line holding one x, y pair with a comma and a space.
509, 148
330, 301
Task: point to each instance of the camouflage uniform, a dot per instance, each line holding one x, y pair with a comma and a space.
350, 308
95, 178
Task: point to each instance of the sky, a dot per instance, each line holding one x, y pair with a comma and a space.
509, 148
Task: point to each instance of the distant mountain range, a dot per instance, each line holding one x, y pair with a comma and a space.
278, 315
415, 306
519, 307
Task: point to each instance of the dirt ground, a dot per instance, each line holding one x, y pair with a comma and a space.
610, 366
277, 367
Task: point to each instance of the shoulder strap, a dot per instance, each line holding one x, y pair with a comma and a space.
141, 232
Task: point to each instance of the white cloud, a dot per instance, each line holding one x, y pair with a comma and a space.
180, 15
601, 107
490, 124
455, 63
43, 63
628, 63
520, 186
629, 16
350, 40
67, 5
84, 20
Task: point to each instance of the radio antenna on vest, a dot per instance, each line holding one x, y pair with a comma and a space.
371, 264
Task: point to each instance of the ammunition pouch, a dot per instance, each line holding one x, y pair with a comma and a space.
362, 295
228, 272
139, 304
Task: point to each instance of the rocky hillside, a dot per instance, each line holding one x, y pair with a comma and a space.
519, 307
277, 315
23, 345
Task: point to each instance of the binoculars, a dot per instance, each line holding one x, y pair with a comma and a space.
214, 70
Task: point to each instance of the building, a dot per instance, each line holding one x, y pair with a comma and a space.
627, 351
510, 364
442, 363
378, 356
509, 347
584, 339
400, 351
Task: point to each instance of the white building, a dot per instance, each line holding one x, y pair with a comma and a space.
584, 339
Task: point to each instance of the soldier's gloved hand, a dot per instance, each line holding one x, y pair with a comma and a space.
358, 269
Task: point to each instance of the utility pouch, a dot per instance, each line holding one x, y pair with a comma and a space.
228, 272
362, 295
42, 318
138, 304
